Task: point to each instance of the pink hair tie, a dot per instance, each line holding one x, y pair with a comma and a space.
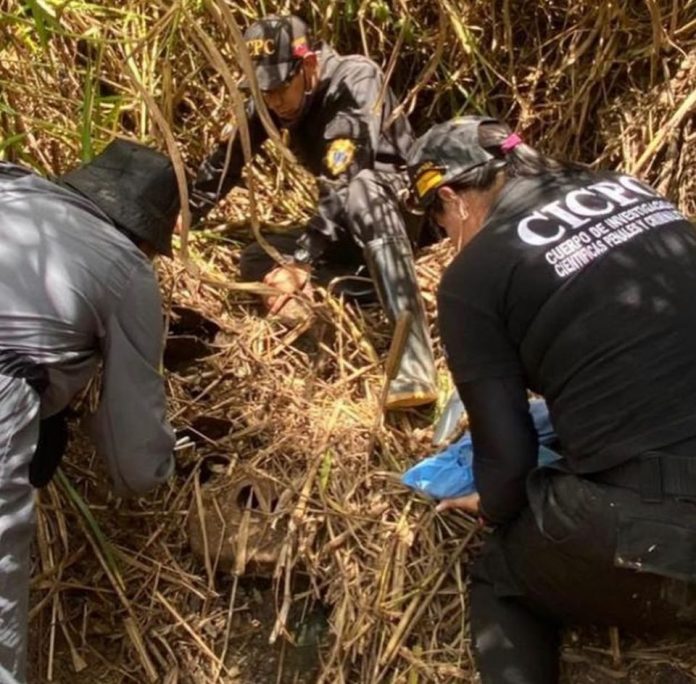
510, 143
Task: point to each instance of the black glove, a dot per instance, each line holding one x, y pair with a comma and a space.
53, 439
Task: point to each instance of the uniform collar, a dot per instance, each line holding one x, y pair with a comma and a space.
328, 63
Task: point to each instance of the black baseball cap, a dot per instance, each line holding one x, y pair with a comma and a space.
444, 154
135, 186
276, 46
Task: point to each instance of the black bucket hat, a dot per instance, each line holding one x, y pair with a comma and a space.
444, 154
135, 186
276, 46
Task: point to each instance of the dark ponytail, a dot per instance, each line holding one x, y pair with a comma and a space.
511, 155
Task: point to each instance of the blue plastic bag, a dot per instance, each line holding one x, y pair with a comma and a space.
449, 474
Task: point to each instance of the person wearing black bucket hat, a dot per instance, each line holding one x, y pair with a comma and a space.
344, 127
77, 287
135, 186
577, 285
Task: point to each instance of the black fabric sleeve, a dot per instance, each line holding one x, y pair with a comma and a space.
349, 142
222, 169
354, 122
505, 444
472, 329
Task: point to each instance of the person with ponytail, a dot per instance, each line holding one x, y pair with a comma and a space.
576, 285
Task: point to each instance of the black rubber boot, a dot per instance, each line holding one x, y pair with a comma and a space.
390, 262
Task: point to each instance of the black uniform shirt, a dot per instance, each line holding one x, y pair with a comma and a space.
584, 286
342, 132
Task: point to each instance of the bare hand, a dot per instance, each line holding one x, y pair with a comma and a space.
469, 504
288, 280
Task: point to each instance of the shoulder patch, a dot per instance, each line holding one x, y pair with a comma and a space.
339, 155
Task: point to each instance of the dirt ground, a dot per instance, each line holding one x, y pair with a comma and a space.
101, 652
586, 656
587, 659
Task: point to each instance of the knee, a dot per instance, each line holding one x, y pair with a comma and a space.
255, 262
511, 643
372, 208
365, 178
363, 190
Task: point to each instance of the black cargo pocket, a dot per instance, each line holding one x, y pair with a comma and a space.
555, 500
659, 547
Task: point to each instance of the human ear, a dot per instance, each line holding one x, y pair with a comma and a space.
310, 65
446, 194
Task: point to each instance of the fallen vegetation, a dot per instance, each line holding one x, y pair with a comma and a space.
365, 579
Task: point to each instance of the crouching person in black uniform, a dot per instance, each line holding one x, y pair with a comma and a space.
338, 115
579, 286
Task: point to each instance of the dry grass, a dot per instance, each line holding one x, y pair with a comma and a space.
117, 594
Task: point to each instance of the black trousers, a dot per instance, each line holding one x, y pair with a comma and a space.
373, 209
583, 552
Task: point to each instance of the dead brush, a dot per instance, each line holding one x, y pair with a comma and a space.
116, 590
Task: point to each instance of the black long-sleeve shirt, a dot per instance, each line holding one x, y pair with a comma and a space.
580, 286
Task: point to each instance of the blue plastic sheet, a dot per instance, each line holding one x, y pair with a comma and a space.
449, 473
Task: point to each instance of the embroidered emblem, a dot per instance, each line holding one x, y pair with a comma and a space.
261, 47
339, 155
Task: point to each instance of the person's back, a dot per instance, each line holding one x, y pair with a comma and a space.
578, 285
595, 274
64, 272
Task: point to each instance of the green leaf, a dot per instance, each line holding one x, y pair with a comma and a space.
325, 470
44, 21
8, 142
92, 524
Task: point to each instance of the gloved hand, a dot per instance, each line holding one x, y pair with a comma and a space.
51, 445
